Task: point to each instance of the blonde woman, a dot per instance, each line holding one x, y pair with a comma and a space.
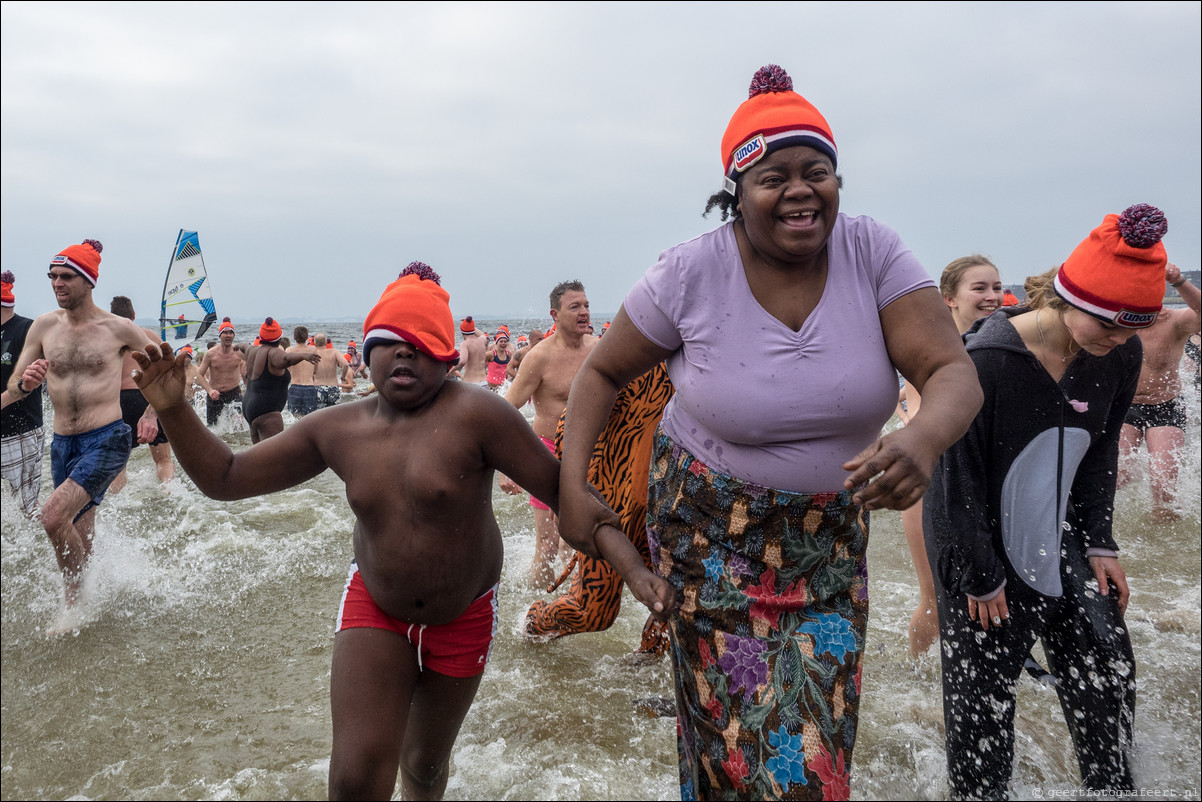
972, 290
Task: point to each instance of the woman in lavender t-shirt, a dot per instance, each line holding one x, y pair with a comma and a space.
780, 331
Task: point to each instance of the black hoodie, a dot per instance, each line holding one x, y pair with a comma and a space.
1035, 471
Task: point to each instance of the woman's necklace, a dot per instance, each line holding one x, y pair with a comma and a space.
1043, 345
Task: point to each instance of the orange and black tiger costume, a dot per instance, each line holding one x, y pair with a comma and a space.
619, 468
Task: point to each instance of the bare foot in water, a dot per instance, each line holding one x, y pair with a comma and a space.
68, 621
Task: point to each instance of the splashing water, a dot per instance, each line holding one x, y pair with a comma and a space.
199, 664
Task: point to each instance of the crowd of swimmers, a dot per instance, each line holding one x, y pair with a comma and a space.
102, 415
115, 385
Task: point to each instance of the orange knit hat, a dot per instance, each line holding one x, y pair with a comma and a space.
225, 324
416, 309
772, 117
7, 280
83, 259
270, 331
1117, 273
467, 326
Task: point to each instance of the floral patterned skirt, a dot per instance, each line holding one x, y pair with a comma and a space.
768, 637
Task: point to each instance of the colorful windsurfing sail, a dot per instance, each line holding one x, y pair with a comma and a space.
188, 309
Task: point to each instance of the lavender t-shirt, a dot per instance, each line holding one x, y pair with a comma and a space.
755, 399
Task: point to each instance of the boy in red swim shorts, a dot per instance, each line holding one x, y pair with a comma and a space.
418, 458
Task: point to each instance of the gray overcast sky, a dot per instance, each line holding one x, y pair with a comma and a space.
318, 148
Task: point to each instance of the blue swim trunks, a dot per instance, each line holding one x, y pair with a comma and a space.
92, 459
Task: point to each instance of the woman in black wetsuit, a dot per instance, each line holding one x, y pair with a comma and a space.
267, 379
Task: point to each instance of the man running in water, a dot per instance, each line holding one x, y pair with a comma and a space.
78, 351
302, 392
223, 369
1157, 414
545, 377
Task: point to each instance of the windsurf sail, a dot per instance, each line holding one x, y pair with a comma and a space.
188, 309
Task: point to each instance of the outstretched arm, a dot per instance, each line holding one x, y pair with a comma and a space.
923, 344
280, 359
1190, 294
274, 464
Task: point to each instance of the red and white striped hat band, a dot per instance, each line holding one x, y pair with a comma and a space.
1130, 317
765, 142
66, 261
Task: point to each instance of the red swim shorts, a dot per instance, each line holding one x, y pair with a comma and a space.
538, 505
457, 649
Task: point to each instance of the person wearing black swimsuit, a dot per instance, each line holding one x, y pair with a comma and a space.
267, 379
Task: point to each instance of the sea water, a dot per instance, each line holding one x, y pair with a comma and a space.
199, 667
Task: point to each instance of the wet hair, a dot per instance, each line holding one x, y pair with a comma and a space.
728, 204
561, 288
949, 282
122, 306
1041, 291
300, 334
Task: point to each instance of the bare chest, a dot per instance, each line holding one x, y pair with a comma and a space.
83, 354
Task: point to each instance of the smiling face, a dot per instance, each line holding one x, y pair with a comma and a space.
1094, 336
977, 295
405, 377
790, 201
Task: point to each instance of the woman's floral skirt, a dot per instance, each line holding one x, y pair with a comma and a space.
768, 637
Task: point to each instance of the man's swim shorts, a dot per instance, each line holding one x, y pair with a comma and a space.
133, 405
302, 399
92, 459
458, 649
1150, 416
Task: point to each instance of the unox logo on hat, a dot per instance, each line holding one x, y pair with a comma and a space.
750, 152
1135, 320
59, 260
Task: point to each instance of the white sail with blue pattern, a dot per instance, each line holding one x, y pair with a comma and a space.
188, 310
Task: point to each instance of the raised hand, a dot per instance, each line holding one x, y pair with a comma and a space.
161, 376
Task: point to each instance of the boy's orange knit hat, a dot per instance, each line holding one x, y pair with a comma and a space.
83, 259
414, 309
772, 117
270, 331
1117, 273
